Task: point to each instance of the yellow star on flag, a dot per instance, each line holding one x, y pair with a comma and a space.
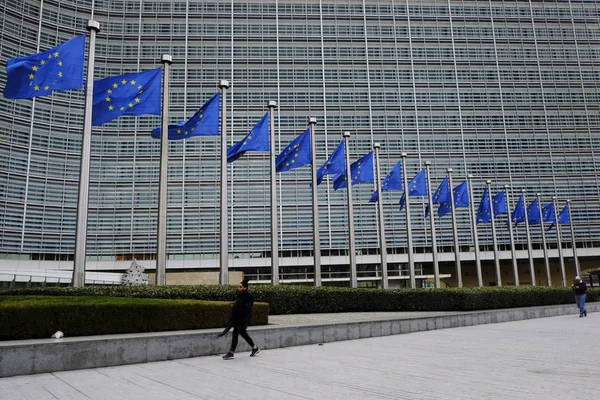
115, 85
132, 82
130, 105
111, 107
122, 108
35, 68
107, 98
60, 63
55, 54
42, 62
60, 74
109, 91
123, 81
46, 87
31, 76
137, 99
36, 87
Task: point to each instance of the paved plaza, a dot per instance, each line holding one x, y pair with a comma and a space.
547, 358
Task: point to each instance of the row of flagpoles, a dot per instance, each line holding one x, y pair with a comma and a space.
140, 93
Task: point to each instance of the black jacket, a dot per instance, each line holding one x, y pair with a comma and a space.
579, 287
241, 309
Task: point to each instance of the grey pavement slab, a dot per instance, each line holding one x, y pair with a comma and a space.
545, 358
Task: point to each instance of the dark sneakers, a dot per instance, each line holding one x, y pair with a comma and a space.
228, 356
585, 313
255, 352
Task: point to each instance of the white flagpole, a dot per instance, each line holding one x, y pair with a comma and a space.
529, 249
544, 246
315, 203
475, 233
274, 240
513, 251
494, 238
573, 244
455, 232
409, 241
434, 250
351, 244
559, 242
161, 239
84, 170
382, 241
224, 247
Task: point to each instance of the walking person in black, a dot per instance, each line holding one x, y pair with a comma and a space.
580, 288
239, 320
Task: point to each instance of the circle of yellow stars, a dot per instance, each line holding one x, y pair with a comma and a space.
115, 86
290, 150
187, 128
42, 63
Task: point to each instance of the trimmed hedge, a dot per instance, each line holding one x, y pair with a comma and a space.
32, 317
288, 299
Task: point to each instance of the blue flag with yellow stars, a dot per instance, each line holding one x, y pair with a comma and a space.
335, 164
533, 213
518, 214
563, 217
60, 68
256, 140
360, 171
392, 181
205, 122
484, 211
461, 199
548, 212
296, 154
440, 195
130, 94
416, 187
499, 204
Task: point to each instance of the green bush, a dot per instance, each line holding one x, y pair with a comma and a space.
288, 299
30, 317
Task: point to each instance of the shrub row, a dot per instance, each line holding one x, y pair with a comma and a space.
32, 317
287, 299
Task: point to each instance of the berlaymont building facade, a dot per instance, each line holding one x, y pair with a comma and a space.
507, 91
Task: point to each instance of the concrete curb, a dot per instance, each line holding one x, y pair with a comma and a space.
38, 356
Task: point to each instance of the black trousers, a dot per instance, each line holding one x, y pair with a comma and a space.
242, 333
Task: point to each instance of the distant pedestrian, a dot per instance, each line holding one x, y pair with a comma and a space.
580, 288
240, 319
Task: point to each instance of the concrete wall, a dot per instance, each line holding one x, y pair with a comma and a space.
50, 355
197, 278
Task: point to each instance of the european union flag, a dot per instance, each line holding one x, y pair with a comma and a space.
335, 164
205, 122
548, 212
392, 181
563, 217
256, 140
484, 211
441, 195
533, 213
130, 94
518, 215
416, 187
296, 154
499, 204
461, 199
360, 171
60, 68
